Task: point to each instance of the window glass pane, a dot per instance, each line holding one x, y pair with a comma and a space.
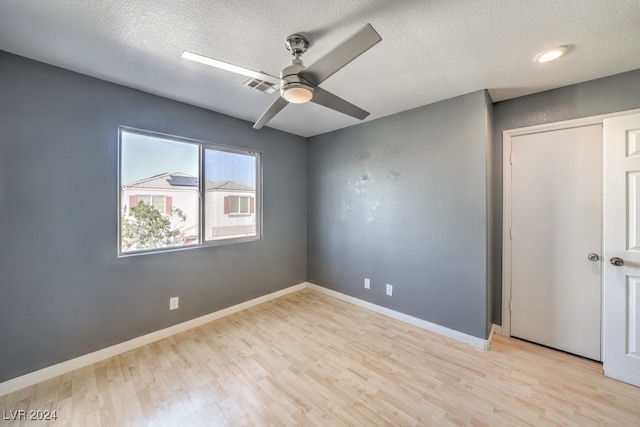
158, 203
235, 204
229, 188
159, 193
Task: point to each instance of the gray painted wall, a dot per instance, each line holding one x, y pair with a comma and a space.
64, 292
403, 200
607, 95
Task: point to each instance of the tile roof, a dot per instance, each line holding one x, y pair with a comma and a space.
226, 185
166, 181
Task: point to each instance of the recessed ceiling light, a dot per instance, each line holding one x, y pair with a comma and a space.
550, 54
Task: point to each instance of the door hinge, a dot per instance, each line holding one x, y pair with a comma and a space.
509, 306
510, 233
511, 158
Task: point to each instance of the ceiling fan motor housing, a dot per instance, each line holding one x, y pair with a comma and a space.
290, 73
292, 80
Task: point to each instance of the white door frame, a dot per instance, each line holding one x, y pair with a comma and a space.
507, 136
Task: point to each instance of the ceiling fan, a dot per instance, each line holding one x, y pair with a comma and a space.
299, 84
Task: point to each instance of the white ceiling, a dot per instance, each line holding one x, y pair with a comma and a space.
430, 50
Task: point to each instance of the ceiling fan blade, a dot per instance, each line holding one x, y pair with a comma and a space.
274, 109
329, 100
344, 53
230, 67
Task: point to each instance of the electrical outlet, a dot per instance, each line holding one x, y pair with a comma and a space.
367, 284
174, 303
389, 289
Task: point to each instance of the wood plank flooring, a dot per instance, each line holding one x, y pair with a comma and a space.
309, 359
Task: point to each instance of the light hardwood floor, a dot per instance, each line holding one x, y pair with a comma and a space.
309, 359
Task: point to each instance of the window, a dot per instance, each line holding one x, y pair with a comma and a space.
238, 205
230, 187
158, 202
176, 192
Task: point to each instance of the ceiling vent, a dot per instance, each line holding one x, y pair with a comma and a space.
261, 85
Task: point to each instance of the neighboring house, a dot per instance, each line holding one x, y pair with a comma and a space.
230, 210
229, 206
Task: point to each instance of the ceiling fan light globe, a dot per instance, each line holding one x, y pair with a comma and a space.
297, 93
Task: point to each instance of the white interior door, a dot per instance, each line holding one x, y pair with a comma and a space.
621, 349
556, 222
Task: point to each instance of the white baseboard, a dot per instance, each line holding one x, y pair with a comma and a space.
497, 329
420, 323
49, 372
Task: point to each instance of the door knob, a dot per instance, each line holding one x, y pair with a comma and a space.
593, 257
618, 262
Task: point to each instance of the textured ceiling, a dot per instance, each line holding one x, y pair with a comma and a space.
430, 50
